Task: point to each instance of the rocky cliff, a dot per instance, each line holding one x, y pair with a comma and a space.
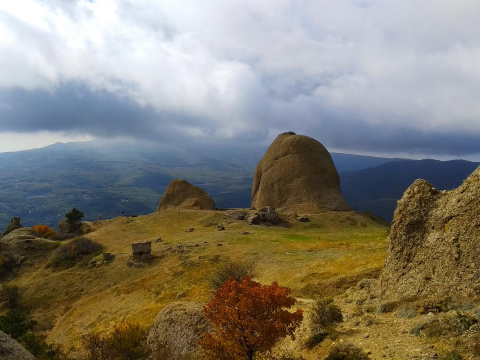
434, 243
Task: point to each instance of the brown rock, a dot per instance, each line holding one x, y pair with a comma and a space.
433, 243
14, 224
182, 194
297, 172
179, 327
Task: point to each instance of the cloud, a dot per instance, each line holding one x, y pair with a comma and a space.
378, 76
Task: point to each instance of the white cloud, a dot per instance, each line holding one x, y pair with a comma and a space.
229, 69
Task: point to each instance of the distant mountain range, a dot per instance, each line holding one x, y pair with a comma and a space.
41, 185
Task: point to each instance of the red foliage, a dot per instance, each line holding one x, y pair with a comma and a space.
44, 231
248, 318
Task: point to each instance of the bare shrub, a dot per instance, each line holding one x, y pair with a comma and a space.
69, 254
230, 269
325, 315
347, 351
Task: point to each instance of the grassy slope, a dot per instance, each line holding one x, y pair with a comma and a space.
323, 256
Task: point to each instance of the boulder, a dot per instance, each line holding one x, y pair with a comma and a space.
14, 224
236, 214
265, 216
178, 328
182, 194
10, 349
297, 172
433, 246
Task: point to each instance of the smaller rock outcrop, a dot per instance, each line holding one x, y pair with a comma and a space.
178, 328
265, 216
182, 194
14, 224
10, 349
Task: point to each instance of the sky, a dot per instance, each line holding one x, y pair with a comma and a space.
379, 77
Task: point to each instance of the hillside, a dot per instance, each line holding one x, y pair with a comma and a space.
41, 185
322, 257
379, 188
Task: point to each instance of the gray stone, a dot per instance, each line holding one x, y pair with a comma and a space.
14, 225
10, 349
142, 251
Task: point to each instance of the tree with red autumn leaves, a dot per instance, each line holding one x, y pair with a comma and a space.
248, 318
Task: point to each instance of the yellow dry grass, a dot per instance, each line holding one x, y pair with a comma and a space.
317, 258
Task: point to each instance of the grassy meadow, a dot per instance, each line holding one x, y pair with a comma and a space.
322, 257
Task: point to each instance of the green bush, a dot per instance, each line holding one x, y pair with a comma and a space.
16, 322
448, 326
325, 313
346, 351
452, 355
11, 295
126, 342
387, 307
406, 312
68, 255
74, 219
7, 264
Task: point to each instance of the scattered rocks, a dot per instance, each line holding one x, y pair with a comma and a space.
297, 171
303, 219
220, 227
182, 194
189, 230
158, 240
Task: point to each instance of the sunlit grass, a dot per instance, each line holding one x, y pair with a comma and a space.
323, 255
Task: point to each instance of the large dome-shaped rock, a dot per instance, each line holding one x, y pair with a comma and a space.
182, 194
178, 328
434, 242
10, 349
297, 172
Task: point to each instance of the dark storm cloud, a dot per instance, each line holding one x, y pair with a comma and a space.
375, 76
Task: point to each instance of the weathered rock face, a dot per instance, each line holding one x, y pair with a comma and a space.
14, 224
434, 242
10, 349
182, 194
178, 327
297, 171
